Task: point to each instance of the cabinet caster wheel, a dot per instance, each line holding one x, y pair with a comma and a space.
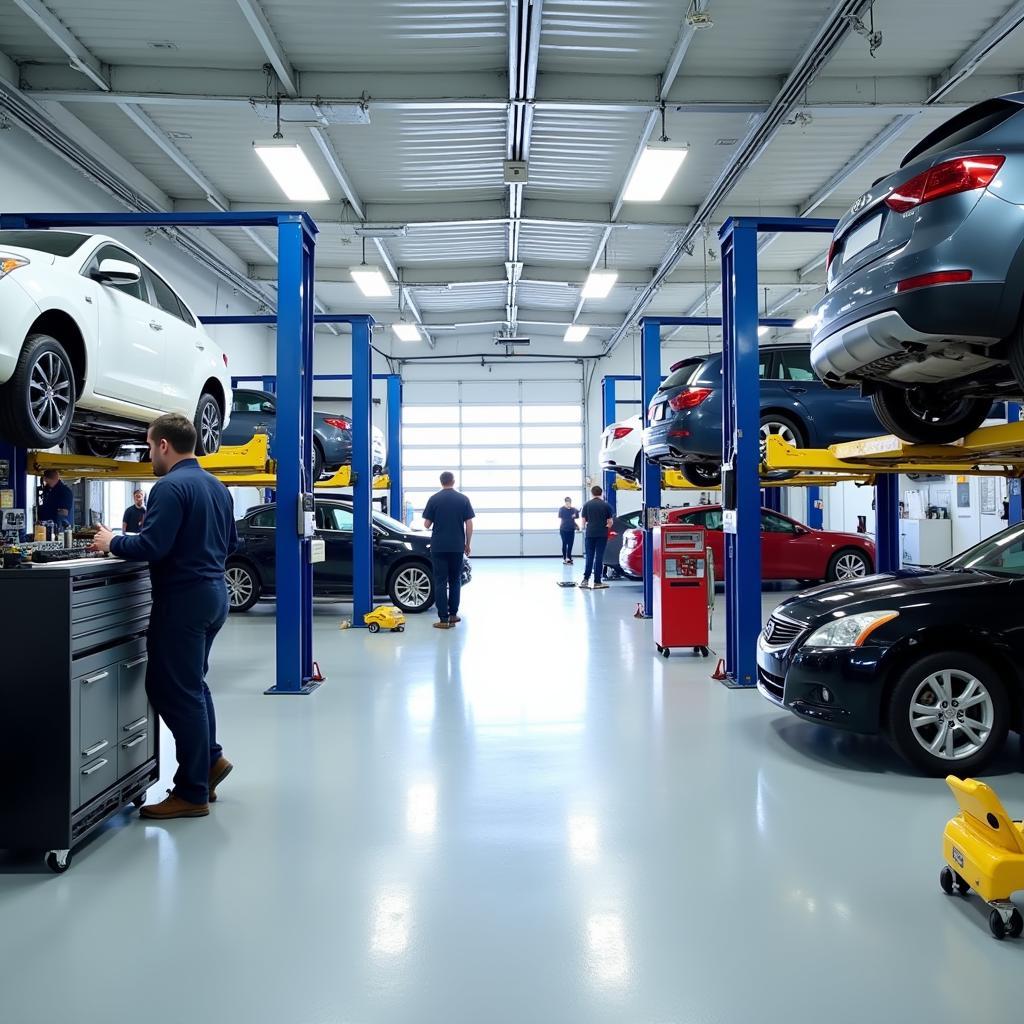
139, 800
665, 652
1016, 925
659, 648
946, 881
58, 861
399, 629
996, 925
373, 627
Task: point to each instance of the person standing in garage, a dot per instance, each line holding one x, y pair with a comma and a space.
567, 529
449, 515
187, 534
134, 514
597, 516
58, 504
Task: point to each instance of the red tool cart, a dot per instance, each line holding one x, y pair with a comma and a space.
684, 588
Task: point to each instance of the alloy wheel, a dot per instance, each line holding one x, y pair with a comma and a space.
952, 714
209, 427
240, 586
412, 587
850, 567
50, 393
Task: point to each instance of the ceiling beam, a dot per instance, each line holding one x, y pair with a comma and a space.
972, 58
267, 38
82, 59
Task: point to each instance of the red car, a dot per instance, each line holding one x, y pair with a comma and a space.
789, 550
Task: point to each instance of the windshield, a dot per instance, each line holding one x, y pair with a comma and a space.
1002, 554
687, 373
56, 243
391, 524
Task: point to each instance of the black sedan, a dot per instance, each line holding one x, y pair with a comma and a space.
401, 558
931, 657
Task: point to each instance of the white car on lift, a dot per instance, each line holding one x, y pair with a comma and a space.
95, 345
622, 448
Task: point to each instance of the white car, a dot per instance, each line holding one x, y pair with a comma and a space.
95, 345
621, 448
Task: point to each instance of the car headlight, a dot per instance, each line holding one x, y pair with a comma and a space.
849, 630
9, 263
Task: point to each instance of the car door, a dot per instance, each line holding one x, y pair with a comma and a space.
251, 411
334, 527
259, 545
184, 345
132, 346
789, 551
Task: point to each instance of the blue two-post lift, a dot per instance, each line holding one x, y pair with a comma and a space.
296, 243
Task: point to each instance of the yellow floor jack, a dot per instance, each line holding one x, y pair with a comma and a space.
387, 616
984, 850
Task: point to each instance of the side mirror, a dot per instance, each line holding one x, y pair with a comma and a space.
268, 407
117, 272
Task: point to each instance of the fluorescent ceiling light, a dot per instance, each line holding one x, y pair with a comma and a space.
406, 332
599, 284
380, 230
762, 331
292, 171
653, 174
806, 323
372, 283
576, 332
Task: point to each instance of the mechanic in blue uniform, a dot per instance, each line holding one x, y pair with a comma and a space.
188, 532
58, 504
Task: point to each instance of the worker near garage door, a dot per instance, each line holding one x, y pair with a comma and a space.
187, 534
597, 514
449, 515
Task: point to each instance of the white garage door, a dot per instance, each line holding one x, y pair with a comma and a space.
516, 459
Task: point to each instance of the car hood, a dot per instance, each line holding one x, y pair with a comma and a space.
886, 590
857, 538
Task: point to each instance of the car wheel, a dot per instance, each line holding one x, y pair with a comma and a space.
318, 461
774, 423
848, 564
208, 424
924, 416
948, 713
702, 474
244, 586
38, 402
411, 587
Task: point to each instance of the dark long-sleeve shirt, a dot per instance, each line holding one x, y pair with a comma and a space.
57, 497
188, 532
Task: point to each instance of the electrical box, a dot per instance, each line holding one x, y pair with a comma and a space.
517, 172
306, 524
317, 551
684, 587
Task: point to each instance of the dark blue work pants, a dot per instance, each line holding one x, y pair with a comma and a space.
594, 547
568, 537
182, 627
447, 582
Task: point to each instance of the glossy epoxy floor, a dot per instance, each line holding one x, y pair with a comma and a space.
531, 818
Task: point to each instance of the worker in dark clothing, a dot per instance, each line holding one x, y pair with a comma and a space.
449, 515
188, 532
58, 504
134, 514
597, 514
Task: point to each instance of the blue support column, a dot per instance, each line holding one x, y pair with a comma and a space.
394, 397
1015, 512
887, 521
740, 449
815, 517
362, 469
293, 447
607, 419
650, 381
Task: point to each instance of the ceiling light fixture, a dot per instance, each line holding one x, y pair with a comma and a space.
762, 331
653, 174
371, 282
576, 332
290, 167
406, 332
599, 284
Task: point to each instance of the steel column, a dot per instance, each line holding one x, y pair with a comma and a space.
607, 419
887, 522
394, 439
650, 381
362, 469
1015, 511
815, 516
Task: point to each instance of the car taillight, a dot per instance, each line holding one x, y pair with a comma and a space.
340, 424
621, 432
832, 250
689, 399
938, 277
963, 174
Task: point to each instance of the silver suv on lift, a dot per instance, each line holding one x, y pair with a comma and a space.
925, 280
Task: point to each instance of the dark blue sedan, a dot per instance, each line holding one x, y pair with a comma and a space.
686, 411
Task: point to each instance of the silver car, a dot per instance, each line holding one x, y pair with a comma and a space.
926, 279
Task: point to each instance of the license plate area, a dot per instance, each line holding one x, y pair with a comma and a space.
861, 237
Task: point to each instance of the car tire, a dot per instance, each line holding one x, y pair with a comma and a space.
411, 587
954, 673
848, 564
209, 424
318, 461
789, 430
905, 413
44, 362
702, 474
244, 586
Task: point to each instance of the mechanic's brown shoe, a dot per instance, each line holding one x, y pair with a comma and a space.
453, 619
174, 807
219, 771
442, 625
